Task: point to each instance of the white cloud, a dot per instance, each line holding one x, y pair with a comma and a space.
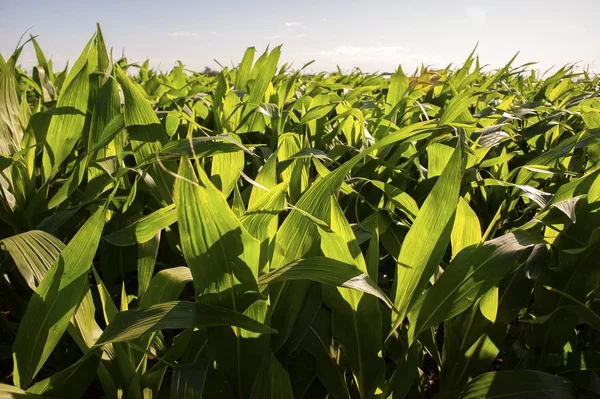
181, 34
370, 58
277, 36
477, 15
369, 52
286, 29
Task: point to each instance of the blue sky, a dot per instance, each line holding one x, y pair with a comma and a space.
374, 35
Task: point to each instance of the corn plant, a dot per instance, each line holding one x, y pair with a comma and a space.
270, 233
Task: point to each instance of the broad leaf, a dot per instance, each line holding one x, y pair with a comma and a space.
134, 323
54, 301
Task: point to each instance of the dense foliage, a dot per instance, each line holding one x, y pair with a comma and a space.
268, 233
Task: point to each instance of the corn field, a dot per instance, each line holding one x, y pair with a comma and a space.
273, 233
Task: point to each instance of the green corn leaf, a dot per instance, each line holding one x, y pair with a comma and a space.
580, 309
518, 384
429, 233
326, 271
188, 381
352, 186
466, 230
109, 309
110, 131
198, 147
71, 382
54, 302
33, 252
38, 251
221, 255
261, 219
262, 73
267, 178
226, 169
147, 253
405, 372
396, 90
295, 175
438, 156
319, 108
469, 341
457, 105
11, 130
243, 71
562, 149
298, 233
41, 58
400, 199
68, 120
272, 380
473, 272
356, 318
99, 68
144, 229
294, 238
134, 323
166, 286
146, 134
107, 120
319, 341
594, 191
70, 185
10, 392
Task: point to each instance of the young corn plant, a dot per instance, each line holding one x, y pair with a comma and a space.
270, 233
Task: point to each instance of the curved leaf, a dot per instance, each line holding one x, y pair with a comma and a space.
55, 301
166, 285
326, 271
69, 116
221, 255
471, 274
518, 384
429, 233
34, 252
132, 324
143, 229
